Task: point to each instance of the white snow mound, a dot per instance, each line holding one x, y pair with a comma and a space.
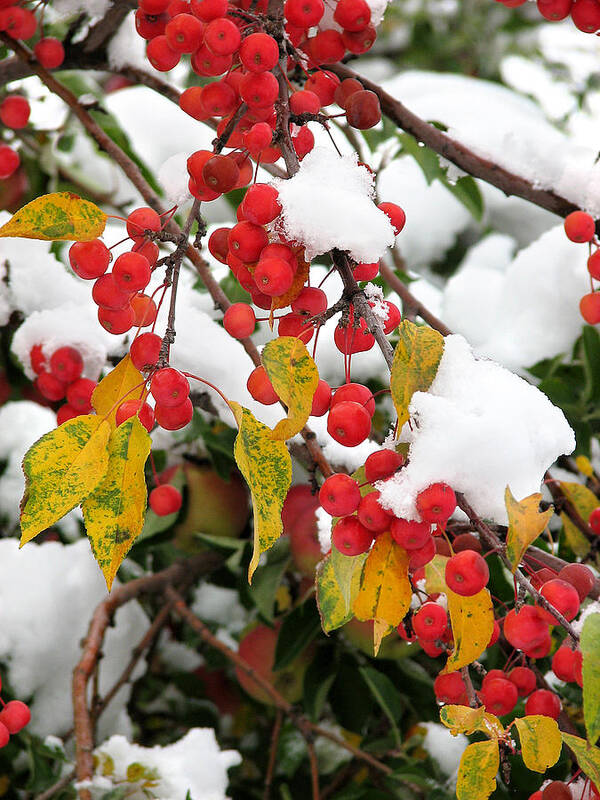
479, 428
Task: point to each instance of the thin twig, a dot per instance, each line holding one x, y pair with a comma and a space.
408, 297
273, 753
60, 784
314, 767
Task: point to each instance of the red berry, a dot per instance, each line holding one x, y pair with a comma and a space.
131, 272
9, 161
557, 790
311, 301
140, 220
323, 83
222, 37
144, 310
37, 359
594, 520
107, 294
4, 735
172, 418
204, 62
361, 41
357, 393
326, 47
589, 307
564, 663
350, 339
350, 537
49, 52
382, 464
436, 503
207, 10
217, 244
321, 401
396, 215
524, 679
260, 387
258, 138
261, 204
586, 16
393, 319
430, 622
150, 26
169, 387
147, 249
352, 15
89, 260
363, 110
246, 241
543, 702
579, 226
239, 320
525, 628
348, 423
144, 350
14, 111
554, 9
410, 534
372, 515
563, 597
304, 13
259, 52
450, 688
366, 272
579, 576
116, 321
304, 102
50, 386
15, 715
130, 408
499, 696
467, 573
422, 555
79, 395
219, 99
66, 413
165, 500
66, 364
339, 495
273, 276
220, 173
19, 23
466, 541
161, 55
295, 325
184, 33
259, 89
153, 7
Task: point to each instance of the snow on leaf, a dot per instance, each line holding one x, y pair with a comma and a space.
267, 467
472, 620
477, 771
61, 469
114, 511
540, 741
61, 215
590, 648
295, 377
585, 501
525, 523
588, 756
124, 382
416, 359
331, 602
385, 592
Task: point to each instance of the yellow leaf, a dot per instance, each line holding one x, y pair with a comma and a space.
584, 465
416, 360
588, 756
477, 771
472, 620
331, 602
61, 215
540, 741
267, 467
585, 501
435, 574
114, 511
294, 376
61, 469
385, 592
525, 523
590, 649
124, 382
347, 570
463, 719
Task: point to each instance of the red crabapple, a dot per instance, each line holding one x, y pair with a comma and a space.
543, 702
436, 503
467, 573
339, 495
169, 387
350, 537
165, 500
579, 226
348, 423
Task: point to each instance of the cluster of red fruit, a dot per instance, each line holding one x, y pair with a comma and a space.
119, 294
14, 716
584, 13
59, 377
20, 23
557, 790
581, 228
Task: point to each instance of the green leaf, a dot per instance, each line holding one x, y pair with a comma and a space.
318, 680
540, 741
295, 377
590, 649
586, 754
466, 190
416, 360
297, 631
387, 696
61, 470
268, 579
61, 215
591, 363
347, 571
585, 501
267, 467
330, 597
477, 771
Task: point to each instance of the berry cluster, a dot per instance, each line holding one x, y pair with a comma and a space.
581, 228
584, 13
59, 377
14, 716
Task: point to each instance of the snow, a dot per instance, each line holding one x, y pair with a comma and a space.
324, 521
378, 8
532, 78
68, 8
479, 428
443, 747
509, 309
174, 178
221, 606
48, 593
329, 204
591, 608
126, 48
194, 763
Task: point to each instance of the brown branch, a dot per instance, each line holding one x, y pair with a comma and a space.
60, 784
408, 297
458, 153
101, 619
564, 504
304, 725
273, 753
105, 28
473, 701
314, 768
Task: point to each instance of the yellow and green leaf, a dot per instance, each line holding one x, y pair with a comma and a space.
295, 377
585, 501
463, 719
347, 570
61, 215
435, 574
477, 771
590, 649
114, 511
525, 523
472, 620
61, 470
385, 591
331, 602
267, 467
587, 755
124, 382
416, 360
540, 741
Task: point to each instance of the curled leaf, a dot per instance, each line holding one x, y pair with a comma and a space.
124, 382
525, 523
463, 719
267, 467
57, 216
62, 469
